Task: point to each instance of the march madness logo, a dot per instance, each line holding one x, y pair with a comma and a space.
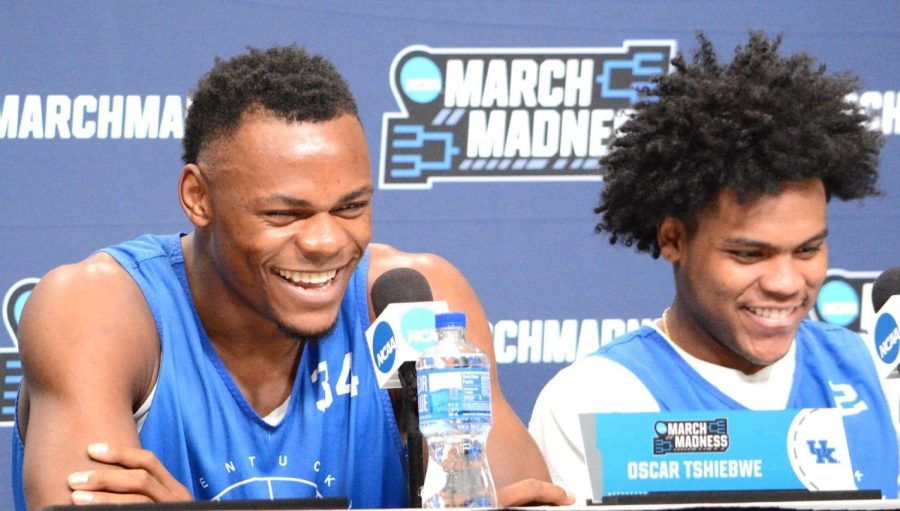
490, 114
10, 363
690, 436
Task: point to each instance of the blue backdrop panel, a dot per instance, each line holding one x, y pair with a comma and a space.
92, 93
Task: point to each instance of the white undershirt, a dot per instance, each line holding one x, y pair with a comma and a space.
274, 417
766, 389
601, 385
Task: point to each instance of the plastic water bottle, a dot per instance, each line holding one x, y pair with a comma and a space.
454, 387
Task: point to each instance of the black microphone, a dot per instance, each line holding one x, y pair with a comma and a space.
404, 285
400, 285
886, 285
883, 335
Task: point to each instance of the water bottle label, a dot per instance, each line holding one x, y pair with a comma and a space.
454, 393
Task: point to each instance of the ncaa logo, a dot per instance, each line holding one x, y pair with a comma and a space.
10, 363
887, 338
415, 329
421, 80
838, 302
417, 326
384, 344
845, 299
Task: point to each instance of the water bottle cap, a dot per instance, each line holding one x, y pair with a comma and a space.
450, 320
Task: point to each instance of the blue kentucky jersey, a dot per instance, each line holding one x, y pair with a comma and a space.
338, 437
833, 370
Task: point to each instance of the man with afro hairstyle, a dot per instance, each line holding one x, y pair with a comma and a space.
231, 362
726, 172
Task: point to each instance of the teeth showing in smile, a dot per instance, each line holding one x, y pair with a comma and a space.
304, 277
772, 313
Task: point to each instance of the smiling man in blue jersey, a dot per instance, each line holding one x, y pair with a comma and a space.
231, 362
726, 172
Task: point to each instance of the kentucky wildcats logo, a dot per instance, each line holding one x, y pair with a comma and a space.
489, 114
817, 445
10, 363
690, 436
820, 449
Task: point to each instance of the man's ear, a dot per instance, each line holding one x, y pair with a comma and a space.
193, 190
672, 239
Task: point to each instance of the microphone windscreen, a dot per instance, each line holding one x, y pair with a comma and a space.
400, 285
886, 285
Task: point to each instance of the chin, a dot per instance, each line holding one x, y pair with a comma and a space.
305, 332
298, 318
767, 359
305, 335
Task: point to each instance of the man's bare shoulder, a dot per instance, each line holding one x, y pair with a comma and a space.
90, 357
81, 312
99, 267
383, 257
92, 288
446, 281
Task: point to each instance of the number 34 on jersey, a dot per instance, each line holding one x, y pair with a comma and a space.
346, 383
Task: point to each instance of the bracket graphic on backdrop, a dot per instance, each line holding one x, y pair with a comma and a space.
10, 363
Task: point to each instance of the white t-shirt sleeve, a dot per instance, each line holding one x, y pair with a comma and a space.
590, 385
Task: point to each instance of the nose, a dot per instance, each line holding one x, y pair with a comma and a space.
783, 277
320, 237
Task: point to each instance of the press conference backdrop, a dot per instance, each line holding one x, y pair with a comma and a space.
485, 120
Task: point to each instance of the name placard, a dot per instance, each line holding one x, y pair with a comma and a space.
724, 450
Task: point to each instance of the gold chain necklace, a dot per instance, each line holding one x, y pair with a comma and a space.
664, 324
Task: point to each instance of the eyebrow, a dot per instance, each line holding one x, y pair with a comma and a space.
294, 202
747, 242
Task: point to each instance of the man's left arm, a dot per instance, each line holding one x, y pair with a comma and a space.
517, 466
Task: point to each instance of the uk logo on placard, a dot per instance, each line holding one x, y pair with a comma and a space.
820, 449
510, 114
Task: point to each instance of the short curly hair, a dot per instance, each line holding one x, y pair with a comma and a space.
288, 81
749, 126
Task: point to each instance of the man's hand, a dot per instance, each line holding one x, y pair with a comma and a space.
533, 492
135, 475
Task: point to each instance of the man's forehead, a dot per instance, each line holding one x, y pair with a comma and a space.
258, 135
794, 215
729, 198
224, 140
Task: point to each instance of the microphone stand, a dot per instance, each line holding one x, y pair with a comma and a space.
409, 424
